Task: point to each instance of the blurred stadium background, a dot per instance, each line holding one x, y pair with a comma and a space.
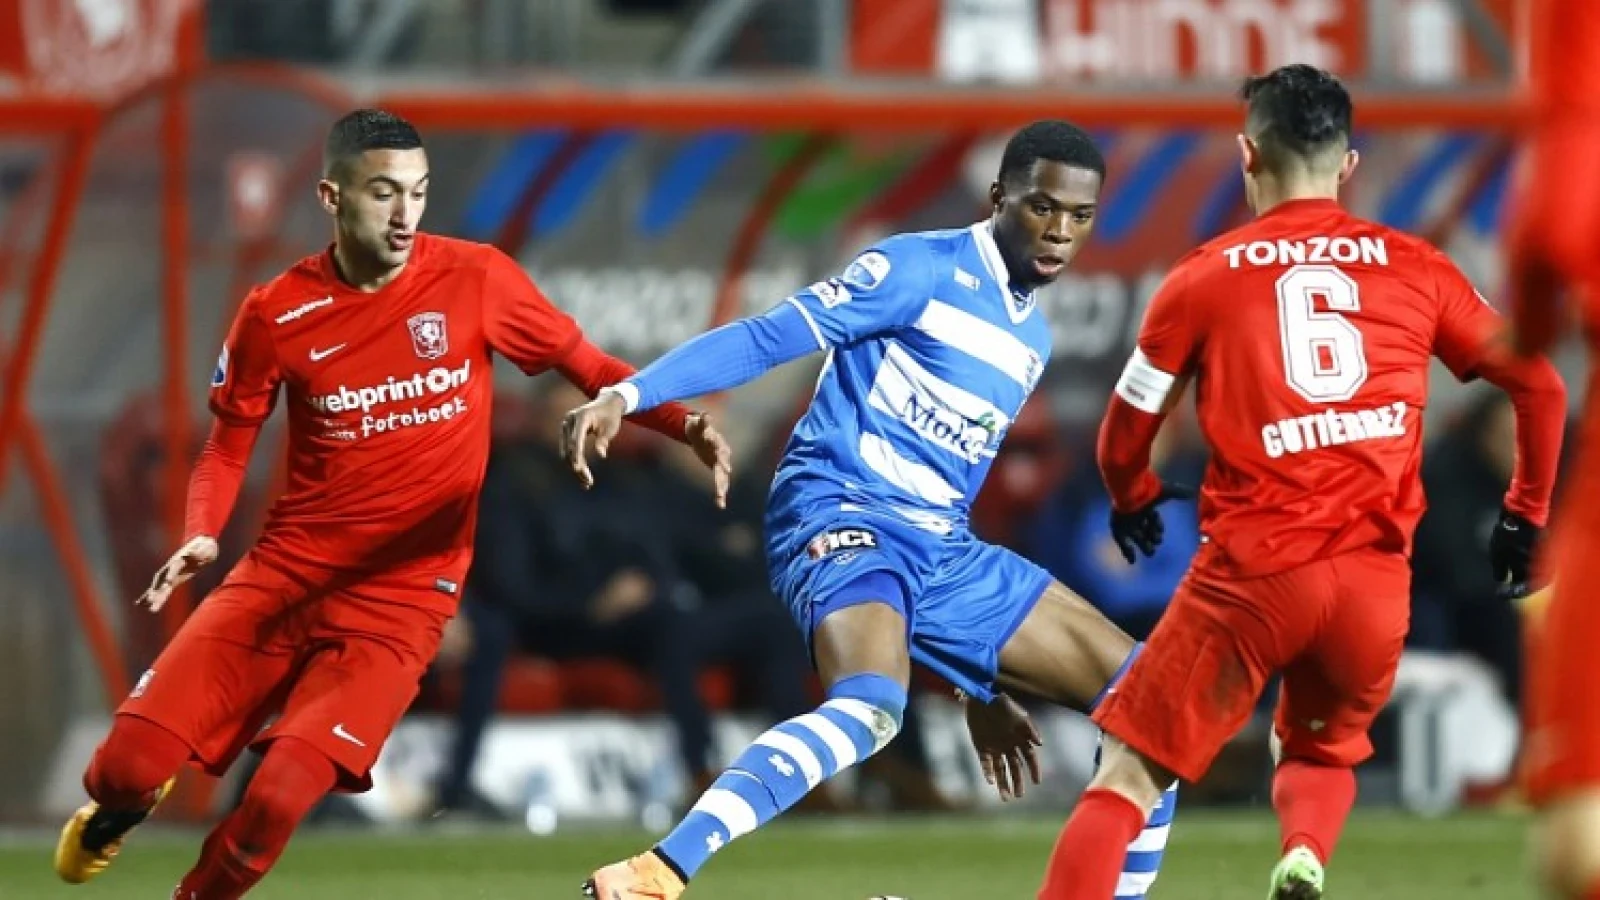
660, 166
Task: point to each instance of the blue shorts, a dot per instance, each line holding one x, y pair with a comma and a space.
962, 599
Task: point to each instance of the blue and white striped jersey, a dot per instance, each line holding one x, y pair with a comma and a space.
931, 355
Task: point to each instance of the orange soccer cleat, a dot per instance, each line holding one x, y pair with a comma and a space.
644, 877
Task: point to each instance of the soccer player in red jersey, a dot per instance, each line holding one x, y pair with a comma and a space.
383, 348
1555, 245
1308, 335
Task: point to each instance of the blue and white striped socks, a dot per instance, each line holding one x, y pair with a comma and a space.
862, 714
1143, 862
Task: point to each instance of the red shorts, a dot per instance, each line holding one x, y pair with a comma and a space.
338, 662
1561, 753
1334, 628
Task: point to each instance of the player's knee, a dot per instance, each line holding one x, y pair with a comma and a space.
1567, 846
1131, 774
136, 758
294, 776
883, 697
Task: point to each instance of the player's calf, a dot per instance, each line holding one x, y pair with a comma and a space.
1090, 855
1142, 865
294, 776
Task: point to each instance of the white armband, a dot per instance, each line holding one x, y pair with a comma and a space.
628, 391
1144, 386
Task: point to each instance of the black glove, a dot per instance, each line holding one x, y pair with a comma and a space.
1511, 549
1141, 530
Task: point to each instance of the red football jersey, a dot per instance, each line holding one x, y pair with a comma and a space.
1308, 333
1564, 65
389, 399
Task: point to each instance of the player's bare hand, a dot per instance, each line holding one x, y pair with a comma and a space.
592, 425
714, 452
198, 553
1007, 743
1141, 531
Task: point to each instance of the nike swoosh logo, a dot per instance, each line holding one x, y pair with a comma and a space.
320, 355
341, 734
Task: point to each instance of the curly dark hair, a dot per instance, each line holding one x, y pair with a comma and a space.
1050, 139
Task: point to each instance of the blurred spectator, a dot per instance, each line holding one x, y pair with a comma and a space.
1454, 608
566, 573
1070, 538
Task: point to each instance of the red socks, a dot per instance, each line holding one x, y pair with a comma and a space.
1313, 803
1087, 860
293, 777
136, 759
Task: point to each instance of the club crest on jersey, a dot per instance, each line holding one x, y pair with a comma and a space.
428, 336
831, 542
867, 271
219, 375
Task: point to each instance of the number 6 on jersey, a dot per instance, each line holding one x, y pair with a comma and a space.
1323, 357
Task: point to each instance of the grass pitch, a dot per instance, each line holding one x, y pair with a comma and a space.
1212, 857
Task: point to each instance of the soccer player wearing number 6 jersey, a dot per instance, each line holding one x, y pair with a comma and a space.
1308, 334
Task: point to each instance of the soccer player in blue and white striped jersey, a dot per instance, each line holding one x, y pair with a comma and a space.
934, 342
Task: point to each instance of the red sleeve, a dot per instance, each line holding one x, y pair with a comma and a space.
1551, 231
1540, 399
244, 386
591, 369
1168, 342
218, 474
1126, 436
520, 322
1467, 325
1534, 290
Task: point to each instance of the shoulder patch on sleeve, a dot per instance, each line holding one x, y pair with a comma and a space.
867, 271
831, 292
219, 375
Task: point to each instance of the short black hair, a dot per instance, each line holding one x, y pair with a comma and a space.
1298, 112
1054, 140
363, 130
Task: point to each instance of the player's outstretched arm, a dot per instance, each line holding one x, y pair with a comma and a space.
883, 289
1539, 397
596, 423
1471, 341
213, 490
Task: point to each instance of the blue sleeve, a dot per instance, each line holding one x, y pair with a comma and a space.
884, 288
725, 357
